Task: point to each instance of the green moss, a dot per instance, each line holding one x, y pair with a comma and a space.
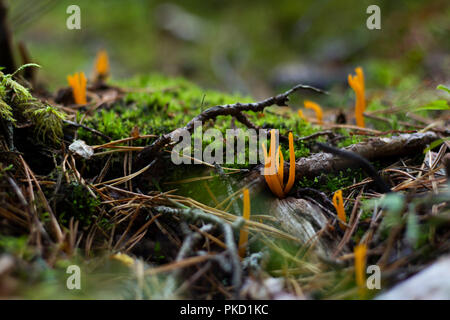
331, 182
156, 105
17, 246
349, 139
16, 102
78, 203
47, 120
4, 169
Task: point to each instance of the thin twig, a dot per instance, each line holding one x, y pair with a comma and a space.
79, 125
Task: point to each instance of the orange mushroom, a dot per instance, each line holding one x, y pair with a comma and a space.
357, 84
360, 253
102, 65
274, 167
317, 109
243, 235
78, 84
339, 205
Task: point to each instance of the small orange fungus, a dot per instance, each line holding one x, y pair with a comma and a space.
339, 205
360, 253
78, 84
274, 167
102, 65
357, 84
317, 109
243, 236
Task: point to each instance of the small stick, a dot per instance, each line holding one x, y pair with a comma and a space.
79, 125
357, 159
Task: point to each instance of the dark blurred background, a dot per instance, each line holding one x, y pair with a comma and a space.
253, 47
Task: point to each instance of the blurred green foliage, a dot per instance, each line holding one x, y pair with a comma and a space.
234, 44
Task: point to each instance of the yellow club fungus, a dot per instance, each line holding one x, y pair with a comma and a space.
102, 65
339, 205
360, 253
78, 84
243, 235
317, 109
357, 84
274, 167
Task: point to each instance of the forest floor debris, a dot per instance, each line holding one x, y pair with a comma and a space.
114, 202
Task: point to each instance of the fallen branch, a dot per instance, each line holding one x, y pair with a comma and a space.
79, 125
372, 149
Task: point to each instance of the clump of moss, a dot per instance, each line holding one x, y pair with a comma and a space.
17, 246
16, 102
156, 105
5, 109
47, 119
75, 201
330, 182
